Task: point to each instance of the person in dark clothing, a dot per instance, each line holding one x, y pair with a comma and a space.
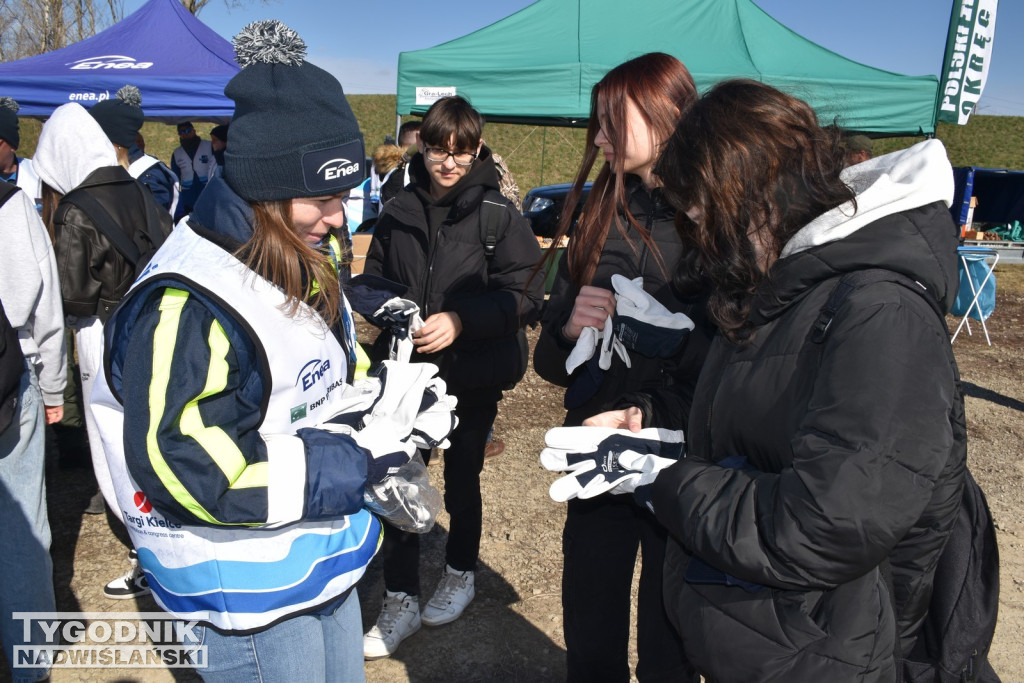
625, 228
820, 457
429, 238
121, 118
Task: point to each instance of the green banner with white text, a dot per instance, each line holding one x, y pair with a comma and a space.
972, 28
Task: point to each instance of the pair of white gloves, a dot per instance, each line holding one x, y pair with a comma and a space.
403, 408
605, 460
640, 323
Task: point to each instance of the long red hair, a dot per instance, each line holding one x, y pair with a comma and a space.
661, 87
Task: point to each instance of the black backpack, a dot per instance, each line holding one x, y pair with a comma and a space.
954, 639
12, 365
137, 248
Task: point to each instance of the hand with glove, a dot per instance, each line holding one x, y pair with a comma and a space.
401, 318
643, 324
591, 456
408, 409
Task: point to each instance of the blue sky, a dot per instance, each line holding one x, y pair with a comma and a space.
359, 40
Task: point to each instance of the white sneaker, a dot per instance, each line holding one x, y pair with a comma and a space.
455, 590
399, 619
132, 585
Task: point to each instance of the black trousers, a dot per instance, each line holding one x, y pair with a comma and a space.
463, 462
599, 544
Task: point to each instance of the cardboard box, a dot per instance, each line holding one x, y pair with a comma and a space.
360, 245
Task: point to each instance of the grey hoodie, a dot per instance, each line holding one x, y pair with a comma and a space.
71, 146
31, 294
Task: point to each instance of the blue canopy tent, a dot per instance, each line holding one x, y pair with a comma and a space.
178, 63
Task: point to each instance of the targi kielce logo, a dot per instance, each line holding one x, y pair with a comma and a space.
109, 640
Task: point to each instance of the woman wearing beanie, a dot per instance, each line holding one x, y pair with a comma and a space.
121, 118
228, 359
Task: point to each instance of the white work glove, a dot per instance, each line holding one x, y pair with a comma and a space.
401, 318
609, 343
591, 457
389, 423
436, 417
643, 324
645, 468
590, 338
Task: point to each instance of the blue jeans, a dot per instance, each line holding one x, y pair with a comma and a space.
26, 570
311, 647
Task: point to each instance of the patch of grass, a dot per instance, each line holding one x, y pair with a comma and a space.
541, 155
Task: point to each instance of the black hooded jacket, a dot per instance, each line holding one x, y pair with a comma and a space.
809, 465
435, 248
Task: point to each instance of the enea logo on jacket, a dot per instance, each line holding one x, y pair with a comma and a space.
312, 372
109, 62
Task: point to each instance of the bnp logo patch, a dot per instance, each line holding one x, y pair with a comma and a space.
298, 412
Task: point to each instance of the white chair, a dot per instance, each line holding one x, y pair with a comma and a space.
976, 279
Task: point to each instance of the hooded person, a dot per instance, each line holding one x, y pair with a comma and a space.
15, 169
121, 118
228, 402
86, 196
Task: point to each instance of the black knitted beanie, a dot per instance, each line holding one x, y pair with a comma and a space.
121, 117
293, 133
9, 122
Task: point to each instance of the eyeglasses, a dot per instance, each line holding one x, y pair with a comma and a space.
185, 131
439, 156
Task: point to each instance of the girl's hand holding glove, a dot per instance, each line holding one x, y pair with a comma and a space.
605, 460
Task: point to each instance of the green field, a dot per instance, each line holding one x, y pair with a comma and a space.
539, 155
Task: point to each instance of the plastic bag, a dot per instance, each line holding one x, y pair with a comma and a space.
406, 500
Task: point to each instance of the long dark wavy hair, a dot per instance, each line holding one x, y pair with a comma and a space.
757, 166
661, 88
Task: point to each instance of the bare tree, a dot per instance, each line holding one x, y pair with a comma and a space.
195, 6
32, 27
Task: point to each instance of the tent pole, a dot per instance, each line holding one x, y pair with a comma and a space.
398, 126
543, 150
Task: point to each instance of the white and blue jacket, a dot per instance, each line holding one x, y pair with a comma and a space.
242, 511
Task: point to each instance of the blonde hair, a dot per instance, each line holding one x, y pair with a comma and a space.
386, 158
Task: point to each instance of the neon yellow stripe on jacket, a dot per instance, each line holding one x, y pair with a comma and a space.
220, 447
164, 338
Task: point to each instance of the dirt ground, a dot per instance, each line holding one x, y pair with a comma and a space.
513, 630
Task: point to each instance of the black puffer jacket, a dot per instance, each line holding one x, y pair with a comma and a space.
647, 377
435, 248
855, 450
93, 274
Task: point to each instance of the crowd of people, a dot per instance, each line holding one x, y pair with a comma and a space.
788, 486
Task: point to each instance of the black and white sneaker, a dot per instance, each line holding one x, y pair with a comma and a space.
132, 585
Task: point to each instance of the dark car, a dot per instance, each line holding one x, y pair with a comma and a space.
543, 206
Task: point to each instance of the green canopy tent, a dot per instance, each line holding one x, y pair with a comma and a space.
539, 64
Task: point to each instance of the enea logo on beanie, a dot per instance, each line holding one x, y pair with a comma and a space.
335, 169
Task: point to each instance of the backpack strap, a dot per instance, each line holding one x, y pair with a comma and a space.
493, 215
852, 281
7, 191
106, 224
